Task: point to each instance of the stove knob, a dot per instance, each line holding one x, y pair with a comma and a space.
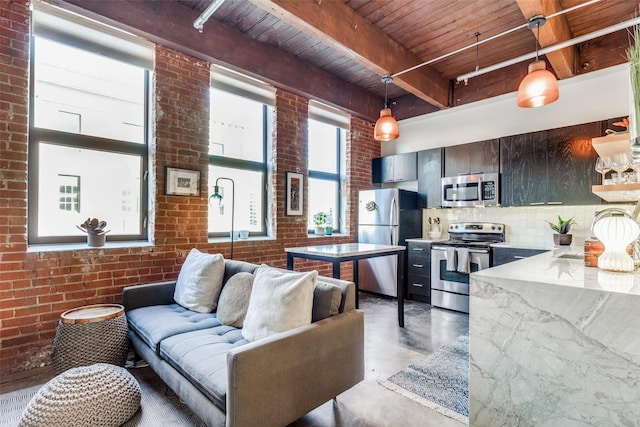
499, 228
493, 227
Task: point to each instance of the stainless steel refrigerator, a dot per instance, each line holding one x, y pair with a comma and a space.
386, 216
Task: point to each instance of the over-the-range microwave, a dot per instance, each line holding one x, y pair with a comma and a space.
471, 190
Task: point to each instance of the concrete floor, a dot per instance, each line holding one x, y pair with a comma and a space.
389, 349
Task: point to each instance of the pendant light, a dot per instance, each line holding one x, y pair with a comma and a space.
540, 86
386, 128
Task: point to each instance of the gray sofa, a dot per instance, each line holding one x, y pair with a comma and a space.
227, 380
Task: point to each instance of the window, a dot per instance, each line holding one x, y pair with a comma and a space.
240, 132
69, 194
327, 137
89, 125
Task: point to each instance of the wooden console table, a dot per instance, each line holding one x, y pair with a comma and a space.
336, 254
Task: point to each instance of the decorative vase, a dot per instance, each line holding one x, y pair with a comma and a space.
319, 231
96, 240
562, 239
328, 230
616, 232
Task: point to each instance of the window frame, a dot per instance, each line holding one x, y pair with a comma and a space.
336, 177
88, 142
248, 165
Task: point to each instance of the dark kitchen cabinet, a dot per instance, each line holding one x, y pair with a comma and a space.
419, 271
476, 157
549, 167
571, 164
501, 255
523, 169
429, 178
395, 168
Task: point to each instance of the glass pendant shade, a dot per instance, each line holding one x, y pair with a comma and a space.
539, 87
617, 232
386, 128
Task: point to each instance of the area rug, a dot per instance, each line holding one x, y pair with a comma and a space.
440, 382
159, 406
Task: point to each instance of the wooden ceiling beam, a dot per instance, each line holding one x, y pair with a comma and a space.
556, 30
170, 24
337, 25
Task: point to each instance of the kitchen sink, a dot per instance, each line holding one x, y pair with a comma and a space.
570, 255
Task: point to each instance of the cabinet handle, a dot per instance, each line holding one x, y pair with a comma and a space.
418, 249
536, 203
419, 285
519, 257
417, 265
554, 203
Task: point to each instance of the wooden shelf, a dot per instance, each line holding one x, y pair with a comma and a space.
617, 192
607, 146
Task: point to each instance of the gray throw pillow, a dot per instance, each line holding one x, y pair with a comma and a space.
234, 300
326, 300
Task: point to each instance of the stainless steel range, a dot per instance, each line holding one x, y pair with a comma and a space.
467, 250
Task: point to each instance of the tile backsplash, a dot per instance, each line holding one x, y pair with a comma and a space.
525, 226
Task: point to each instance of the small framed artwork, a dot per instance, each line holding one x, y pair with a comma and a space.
294, 194
181, 182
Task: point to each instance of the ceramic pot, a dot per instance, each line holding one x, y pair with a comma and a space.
96, 240
328, 231
562, 239
319, 231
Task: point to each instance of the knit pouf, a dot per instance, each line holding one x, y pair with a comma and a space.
99, 395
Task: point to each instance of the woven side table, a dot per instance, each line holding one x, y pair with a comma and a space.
90, 334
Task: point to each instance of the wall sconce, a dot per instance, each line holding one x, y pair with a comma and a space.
540, 86
218, 194
386, 128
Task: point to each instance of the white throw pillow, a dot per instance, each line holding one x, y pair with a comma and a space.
234, 300
200, 281
280, 301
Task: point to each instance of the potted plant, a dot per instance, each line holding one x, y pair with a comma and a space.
96, 235
633, 56
328, 228
320, 220
562, 228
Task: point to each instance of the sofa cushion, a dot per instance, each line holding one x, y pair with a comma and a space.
326, 300
157, 322
234, 300
201, 356
280, 301
233, 267
200, 281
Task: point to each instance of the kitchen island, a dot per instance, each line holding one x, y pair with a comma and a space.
554, 343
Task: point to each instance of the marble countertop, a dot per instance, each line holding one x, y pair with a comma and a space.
345, 249
564, 267
419, 239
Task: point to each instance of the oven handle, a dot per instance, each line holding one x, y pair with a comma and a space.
471, 251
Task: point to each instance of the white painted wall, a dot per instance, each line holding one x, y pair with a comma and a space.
594, 96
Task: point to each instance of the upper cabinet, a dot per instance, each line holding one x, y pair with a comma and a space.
523, 169
476, 157
549, 167
572, 162
430, 167
396, 168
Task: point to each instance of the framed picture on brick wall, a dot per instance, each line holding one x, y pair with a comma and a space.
295, 201
181, 182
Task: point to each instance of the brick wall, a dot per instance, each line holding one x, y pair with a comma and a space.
36, 287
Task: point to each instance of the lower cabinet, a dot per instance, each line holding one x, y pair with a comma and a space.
419, 271
506, 255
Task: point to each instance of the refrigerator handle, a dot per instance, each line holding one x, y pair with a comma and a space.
393, 221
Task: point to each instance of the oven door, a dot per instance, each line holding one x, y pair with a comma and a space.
450, 289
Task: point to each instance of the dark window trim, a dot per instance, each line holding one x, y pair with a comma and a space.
249, 165
37, 135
